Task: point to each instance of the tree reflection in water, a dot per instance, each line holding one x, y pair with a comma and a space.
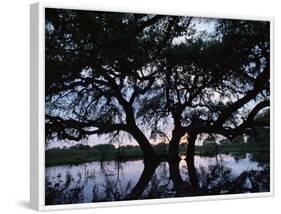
218, 179
67, 192
157, 180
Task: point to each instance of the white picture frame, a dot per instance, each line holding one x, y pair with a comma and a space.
37, 111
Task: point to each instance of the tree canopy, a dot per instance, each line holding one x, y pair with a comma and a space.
112, 72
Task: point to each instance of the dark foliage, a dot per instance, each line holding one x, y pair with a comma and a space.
108, 73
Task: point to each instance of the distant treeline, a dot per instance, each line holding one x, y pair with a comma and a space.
259, 142
101, 152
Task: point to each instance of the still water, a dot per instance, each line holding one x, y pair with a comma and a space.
114, 181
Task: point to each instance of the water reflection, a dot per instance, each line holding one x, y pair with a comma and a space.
114, 181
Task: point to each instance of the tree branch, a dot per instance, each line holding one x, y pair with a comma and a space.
60, 125
258, 86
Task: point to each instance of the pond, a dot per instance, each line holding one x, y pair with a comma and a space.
115, 181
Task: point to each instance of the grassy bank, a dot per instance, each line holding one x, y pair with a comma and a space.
231, 148
102, 152
105, 152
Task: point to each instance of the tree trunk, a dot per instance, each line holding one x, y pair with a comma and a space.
191, 147
174, 144
174, 149
147, 149
190, 162
134, 130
